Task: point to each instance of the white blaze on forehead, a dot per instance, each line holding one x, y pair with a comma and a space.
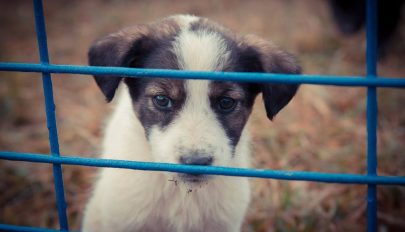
197, 97
201, 51
196, 112
198, 125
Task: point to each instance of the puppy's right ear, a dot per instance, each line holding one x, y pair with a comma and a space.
259, 55
126, 48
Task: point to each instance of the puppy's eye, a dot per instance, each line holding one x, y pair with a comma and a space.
226, 104
163, 102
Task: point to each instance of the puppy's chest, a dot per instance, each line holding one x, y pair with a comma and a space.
185, 209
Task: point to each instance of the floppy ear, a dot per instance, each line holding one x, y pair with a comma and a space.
259, 55
126, 48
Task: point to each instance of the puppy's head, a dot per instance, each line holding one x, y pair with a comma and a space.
195, 122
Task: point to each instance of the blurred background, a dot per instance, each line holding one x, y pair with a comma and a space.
323, 129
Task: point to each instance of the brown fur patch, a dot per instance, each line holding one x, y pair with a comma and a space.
142, 92
274, 60
227, 88
128, 48
233, 122
169, 87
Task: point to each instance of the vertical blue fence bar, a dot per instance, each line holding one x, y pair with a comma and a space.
372, 111
50, 113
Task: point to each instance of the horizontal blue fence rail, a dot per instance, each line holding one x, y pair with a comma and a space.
372, 81
354, 81
6, 227
213, 170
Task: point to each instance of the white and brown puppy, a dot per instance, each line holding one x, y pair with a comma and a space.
196, 122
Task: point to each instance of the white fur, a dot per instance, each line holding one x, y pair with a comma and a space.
130, 200
202, 51
184, 20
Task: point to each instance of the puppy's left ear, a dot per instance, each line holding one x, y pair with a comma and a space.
259, 55
125, 48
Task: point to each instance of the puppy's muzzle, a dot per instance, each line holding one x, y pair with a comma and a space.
196, 159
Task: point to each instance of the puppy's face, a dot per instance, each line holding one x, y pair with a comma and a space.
196, 122
192, 121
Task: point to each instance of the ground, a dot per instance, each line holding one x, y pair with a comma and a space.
323, 129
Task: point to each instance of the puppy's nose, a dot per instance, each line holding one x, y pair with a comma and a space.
196, 159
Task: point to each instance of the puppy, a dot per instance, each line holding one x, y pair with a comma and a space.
194, 122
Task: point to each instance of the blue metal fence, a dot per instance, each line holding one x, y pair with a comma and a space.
372, 81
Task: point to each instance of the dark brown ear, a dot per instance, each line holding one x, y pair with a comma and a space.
262, 56
117, 49
129, 47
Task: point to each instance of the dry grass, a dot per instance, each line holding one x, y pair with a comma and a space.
323, 129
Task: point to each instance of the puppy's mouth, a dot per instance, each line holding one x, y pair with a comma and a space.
193, 178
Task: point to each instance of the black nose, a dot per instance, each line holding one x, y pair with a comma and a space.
196, 159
